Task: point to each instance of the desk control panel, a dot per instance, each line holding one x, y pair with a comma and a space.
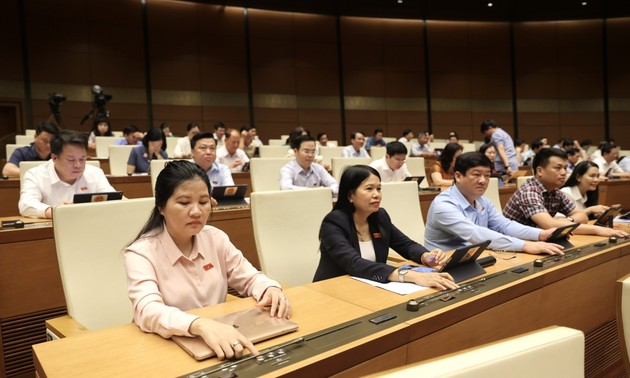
309, 346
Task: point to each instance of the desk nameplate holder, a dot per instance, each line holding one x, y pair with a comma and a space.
308, 346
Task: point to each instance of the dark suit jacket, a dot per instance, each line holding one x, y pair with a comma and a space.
340, 253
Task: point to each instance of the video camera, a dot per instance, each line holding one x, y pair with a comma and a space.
55, 100
98, 104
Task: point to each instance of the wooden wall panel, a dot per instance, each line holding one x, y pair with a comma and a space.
619, 79
11, 57
559, 71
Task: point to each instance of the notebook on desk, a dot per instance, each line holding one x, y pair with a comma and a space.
230, 197
255, 324
96, 197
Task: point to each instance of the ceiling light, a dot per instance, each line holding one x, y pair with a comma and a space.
400, 1
490, 5
584, 3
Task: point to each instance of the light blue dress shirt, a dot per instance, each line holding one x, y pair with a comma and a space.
220, 175
349, 151
453, 222
293, 176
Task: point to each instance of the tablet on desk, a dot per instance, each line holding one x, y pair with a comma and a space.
606, 219
462, 264
96, 197
417, 179
255, 324
561, 235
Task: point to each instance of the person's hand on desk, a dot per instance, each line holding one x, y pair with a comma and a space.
540, 247
434, 259
224, 340
608, 232
277, 302
596, 210
439, 281
213, 202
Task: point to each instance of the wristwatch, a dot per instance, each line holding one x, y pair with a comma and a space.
570, 219
401, 273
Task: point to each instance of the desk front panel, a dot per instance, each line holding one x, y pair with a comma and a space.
614, 192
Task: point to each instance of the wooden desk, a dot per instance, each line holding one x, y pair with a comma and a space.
128, 352
132, 186
578, 293
9, 197
613, 192
30, 293
243, 178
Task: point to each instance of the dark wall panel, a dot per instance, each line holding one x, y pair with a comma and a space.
619, 80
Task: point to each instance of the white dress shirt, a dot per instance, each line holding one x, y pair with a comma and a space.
387, 175
182, 148
293, 176
42, 188
574, 193
350, 152
604, 166
224, 157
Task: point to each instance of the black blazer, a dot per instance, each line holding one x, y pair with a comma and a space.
340, 253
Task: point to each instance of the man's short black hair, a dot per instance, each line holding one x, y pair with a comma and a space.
395, 148
407, 131
66, 137
607, 147
378, 130
354, 134
536, 144
469, 160
487, 125
219, 125
46, 127
196, 137
191, 126
130, 129
297, 142
572, 151
541, 159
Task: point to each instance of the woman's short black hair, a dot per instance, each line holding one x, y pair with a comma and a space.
351, 178
446, 158
152, 135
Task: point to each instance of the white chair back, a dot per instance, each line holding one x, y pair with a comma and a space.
521, 180
26, 165
415, 165
492, 192
340, 163
89, 239
118, 158
12, 147
468, 147
433, 145
117, 134
265, 173
623, 318
377, 152
522, 356
329, 152
102, 145
289, 257
389, 139
277, 142
402, 203
24, 139
171, 142
30, 132
273, 151
408, 145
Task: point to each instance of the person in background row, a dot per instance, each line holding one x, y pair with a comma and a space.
539, 199
182, 148
453, 137
581, 187
421, 147
166, 129
101, 127
247, 143
355, 149
375, 140
528, 155
153, 147
624, 163
506, 153
219, 133
407, 136
462, 215
442, 170
355, 237
37, 151
392, 166
607, 162
302, 172
178, 263
230, 154
573, 158
204, 153
131, 136
60, 178
322, 139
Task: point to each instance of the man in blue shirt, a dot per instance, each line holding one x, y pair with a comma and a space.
375, 140
132, 136
38, 150
204, 153
505, 161
462, 215
355, 148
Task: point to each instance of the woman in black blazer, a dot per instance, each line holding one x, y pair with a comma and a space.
356, 235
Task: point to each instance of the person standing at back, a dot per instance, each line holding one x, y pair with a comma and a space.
38, 150
506, 153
